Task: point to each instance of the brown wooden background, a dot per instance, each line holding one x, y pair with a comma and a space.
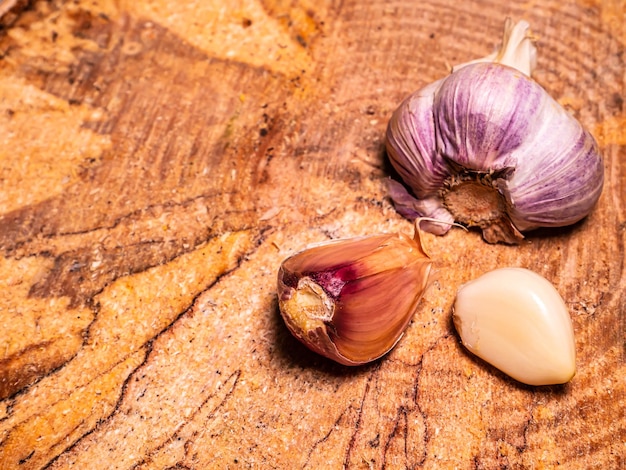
159, 159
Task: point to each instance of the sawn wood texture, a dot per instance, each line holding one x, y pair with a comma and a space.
159, 159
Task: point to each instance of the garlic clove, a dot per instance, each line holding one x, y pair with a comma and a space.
516, 320
351, 300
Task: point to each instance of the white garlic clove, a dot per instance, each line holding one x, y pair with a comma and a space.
516, 320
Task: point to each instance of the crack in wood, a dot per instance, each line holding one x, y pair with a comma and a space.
62, 397
223, 393
148, 344
359, 416
402, 416
47, 365
324, 438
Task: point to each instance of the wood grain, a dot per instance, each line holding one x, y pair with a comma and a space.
159, 160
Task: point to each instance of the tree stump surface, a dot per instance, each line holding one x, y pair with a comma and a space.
160, 159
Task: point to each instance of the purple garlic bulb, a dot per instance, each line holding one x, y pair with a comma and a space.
488, 147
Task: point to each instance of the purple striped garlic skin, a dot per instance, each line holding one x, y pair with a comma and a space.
488, 147
411, 147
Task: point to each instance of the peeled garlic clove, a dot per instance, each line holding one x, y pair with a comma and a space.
488, 147
516, 320
351, 300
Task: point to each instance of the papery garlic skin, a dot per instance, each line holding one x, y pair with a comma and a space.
553, 169
351, 300
516, 320
517, 159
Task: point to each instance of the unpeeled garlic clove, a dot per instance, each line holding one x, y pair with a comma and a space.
516, 320
351, 300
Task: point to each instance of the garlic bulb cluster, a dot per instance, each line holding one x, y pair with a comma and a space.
488, 147
351, 300
516, 320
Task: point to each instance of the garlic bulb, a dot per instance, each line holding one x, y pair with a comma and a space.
516, 320
351, 300
488, 147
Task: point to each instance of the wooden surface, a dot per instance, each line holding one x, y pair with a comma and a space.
158, 161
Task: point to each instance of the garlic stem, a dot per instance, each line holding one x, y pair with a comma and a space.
517, 49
